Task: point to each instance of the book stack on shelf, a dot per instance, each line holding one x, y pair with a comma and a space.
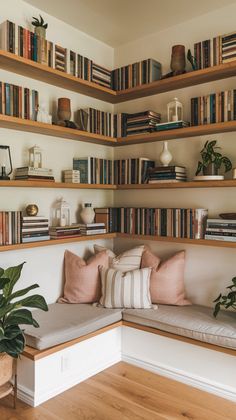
17, 101
145, 71
29, 173
62, 232
94, 170
92, 229
171, 125
171, 222
162, 174
142, 122
101, 75
10, 227
221, 230
71, 176
214, 108
35, 228
132, 171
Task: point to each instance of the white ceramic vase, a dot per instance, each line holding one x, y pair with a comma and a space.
165, 156
87, 214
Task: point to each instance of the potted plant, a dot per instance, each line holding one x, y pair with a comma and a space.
40, 26
227, 301
13, 313
212, 160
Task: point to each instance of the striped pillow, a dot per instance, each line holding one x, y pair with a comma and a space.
125, 290
127, 261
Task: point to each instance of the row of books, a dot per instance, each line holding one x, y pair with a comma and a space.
221, 230
171, 222
142, 122
132, 171
214, 108
163, 174
17, 101
136, 74
10, 227
212, 52
34, 229
30, 173
103, 123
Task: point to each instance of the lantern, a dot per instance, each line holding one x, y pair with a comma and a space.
61, 213
174, 111
35, 157
5, 162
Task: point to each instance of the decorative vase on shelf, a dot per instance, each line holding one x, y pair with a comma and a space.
165, 156
87, 213
178, 61
64, 109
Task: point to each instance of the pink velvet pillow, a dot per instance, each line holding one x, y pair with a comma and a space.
167, 279
82, 281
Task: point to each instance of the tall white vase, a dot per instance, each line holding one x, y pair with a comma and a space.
165, 156
87, 214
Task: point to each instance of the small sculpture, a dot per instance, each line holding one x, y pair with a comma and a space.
42, 114
32, 210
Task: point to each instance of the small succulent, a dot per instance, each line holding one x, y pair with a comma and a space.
228, 300
39, 22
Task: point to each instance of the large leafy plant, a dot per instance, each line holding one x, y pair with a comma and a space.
13, 312
210, 154
227, 300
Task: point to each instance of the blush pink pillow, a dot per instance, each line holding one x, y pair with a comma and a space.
82, 281
167, 279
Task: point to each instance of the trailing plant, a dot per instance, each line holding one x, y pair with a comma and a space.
226, 301
39, 22
13, 312
210, 155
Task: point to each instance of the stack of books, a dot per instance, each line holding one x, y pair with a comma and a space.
132, 171
163, 174
35, 228
142, 122
62, 232
94, 170
101, 75
30, 173
221, 230
146, 71
84, 68
71, 176
214, 108
92, 228
171, 125
17, 101
10, 227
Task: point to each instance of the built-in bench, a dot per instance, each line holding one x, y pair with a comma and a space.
76, 341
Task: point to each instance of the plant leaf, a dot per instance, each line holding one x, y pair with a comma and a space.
22, 292
1, 271
34, 301
13, 273
3, 282
20, 316
13, 347
216, 310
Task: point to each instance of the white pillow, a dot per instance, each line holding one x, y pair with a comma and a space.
125, 290
127, 261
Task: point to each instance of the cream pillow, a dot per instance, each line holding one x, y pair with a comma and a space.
127, 261
125, 290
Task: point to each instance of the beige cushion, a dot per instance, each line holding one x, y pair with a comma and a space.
65, 322
194, 321
127, 261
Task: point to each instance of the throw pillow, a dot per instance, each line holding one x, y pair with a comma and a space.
167, 279
127, 261
125, 290
82, 281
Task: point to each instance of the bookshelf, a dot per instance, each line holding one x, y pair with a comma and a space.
56, 185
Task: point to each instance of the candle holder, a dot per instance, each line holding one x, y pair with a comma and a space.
5, 163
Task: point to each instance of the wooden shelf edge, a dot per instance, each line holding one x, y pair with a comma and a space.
179, 185
56, 185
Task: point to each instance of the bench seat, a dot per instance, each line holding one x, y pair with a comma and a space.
195, 322
65, 322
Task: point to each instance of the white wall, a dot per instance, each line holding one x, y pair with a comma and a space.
208, 269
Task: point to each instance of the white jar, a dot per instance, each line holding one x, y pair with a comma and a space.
87, 214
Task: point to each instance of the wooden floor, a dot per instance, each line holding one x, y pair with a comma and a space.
125, 392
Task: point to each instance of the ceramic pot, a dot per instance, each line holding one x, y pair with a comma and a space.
87, 214
210, 169
6, 368
165, 156
40, 31
64, 109
178, 61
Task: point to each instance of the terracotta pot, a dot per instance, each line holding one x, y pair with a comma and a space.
40, 31
178, 61
6, 368
64, 109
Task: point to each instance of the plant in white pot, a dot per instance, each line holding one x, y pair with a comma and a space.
13, 313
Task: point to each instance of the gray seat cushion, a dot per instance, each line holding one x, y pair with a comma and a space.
193, 321
65, 322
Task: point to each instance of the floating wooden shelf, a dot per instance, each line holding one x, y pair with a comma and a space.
202, 242
179, 133
61, 185
172, 185
38, 244
54, 130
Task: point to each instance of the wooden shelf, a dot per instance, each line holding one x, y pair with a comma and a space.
202, 242
54, 130
61, 185
191, 184
29, 68
197, 77
38, 244
179, 133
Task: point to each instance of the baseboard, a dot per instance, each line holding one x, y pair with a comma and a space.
26, 395
181, 376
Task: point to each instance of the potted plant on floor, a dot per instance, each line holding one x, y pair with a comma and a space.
212, 160
13, 313
227, 300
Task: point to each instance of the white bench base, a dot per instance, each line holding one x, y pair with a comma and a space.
203, 368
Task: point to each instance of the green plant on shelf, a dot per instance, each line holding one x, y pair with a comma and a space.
13, 313
212, 160
228, 300
39, 22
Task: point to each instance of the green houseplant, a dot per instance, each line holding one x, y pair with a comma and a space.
212, 160
40, 26
228, 300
